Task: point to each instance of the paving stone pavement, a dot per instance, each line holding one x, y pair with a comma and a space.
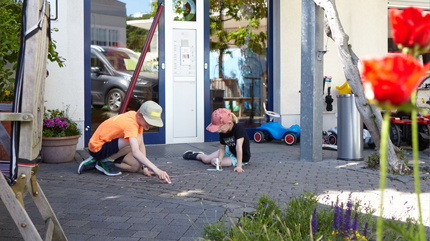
93, 206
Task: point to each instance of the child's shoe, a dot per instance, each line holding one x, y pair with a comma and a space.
107, 167
190, 155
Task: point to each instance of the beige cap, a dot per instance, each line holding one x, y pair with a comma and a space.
151, 111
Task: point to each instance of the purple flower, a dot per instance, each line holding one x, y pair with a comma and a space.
347, 218
341, 227
336, 218
355, 223
365, 230
314, 221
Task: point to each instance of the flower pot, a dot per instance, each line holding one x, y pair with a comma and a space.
8, 126
59, 149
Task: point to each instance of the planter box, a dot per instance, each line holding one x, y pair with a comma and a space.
59, 149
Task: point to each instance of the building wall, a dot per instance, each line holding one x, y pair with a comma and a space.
65, 86
109, 15
366, 24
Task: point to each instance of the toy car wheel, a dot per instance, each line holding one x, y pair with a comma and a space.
258, 136
371, 145
332, 139
290, 138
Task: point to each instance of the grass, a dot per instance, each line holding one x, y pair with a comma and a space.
305, 218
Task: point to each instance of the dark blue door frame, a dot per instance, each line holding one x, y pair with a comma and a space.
150, 138
160, 136
209, 136
87, 71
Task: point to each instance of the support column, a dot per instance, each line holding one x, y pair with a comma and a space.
311, 110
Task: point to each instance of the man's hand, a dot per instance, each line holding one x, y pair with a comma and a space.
239, 169
148, 172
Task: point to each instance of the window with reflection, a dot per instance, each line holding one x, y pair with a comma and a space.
238, 58
117, 41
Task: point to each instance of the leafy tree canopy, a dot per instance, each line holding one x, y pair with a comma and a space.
10, 34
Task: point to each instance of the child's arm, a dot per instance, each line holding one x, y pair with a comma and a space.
239, 155
139, 155
221, 153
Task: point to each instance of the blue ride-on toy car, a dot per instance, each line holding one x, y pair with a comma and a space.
274, 130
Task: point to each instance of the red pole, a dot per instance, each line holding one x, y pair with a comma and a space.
141, 59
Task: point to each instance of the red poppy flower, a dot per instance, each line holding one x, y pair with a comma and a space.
392, 78
410, 26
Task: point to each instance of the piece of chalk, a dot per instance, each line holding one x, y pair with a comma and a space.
167, 180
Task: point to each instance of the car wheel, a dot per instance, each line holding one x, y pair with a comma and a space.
259, 136
395, 135
115, 98
423, 143
332, 139
290, 138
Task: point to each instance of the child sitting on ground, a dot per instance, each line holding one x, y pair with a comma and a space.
118, 143
234, 142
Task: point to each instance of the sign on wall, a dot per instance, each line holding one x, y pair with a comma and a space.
53, 9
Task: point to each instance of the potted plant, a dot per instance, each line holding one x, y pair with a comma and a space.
60, 136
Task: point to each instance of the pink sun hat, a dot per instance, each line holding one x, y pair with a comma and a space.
220, 117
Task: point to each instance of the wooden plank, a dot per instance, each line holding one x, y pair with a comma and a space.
45, 210
49, 230
36, 52
17, 212
16, 117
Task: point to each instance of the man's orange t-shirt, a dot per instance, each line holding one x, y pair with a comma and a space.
120, 126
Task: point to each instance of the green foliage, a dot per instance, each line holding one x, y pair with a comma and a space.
10, 33
56, 123
293, 223
10, 20
249, 37
373, 161
136, 37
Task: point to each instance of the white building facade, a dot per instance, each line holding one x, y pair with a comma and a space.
185, 84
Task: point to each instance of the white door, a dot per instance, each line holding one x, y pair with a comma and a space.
184, 70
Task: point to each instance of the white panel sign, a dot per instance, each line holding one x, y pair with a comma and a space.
184, 83
53, 9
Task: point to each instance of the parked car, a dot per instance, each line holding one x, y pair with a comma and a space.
111, 71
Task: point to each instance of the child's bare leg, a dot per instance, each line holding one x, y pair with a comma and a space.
129, 164
207, 158
226, 162
124, 149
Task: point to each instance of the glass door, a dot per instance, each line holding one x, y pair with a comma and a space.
117, 38
238, 62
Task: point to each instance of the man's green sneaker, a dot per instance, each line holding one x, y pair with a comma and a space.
87, 164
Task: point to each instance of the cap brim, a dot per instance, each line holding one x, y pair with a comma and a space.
154, 122
213, 128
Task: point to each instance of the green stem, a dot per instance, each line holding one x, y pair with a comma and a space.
416, 167
383, 171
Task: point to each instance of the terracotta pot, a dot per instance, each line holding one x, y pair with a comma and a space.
8, 126
59, 149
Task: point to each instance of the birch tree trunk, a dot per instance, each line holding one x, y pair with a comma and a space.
372, 118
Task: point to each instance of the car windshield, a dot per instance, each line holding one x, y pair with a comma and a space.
125, 59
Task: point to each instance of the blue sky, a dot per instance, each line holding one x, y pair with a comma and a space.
134, 6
